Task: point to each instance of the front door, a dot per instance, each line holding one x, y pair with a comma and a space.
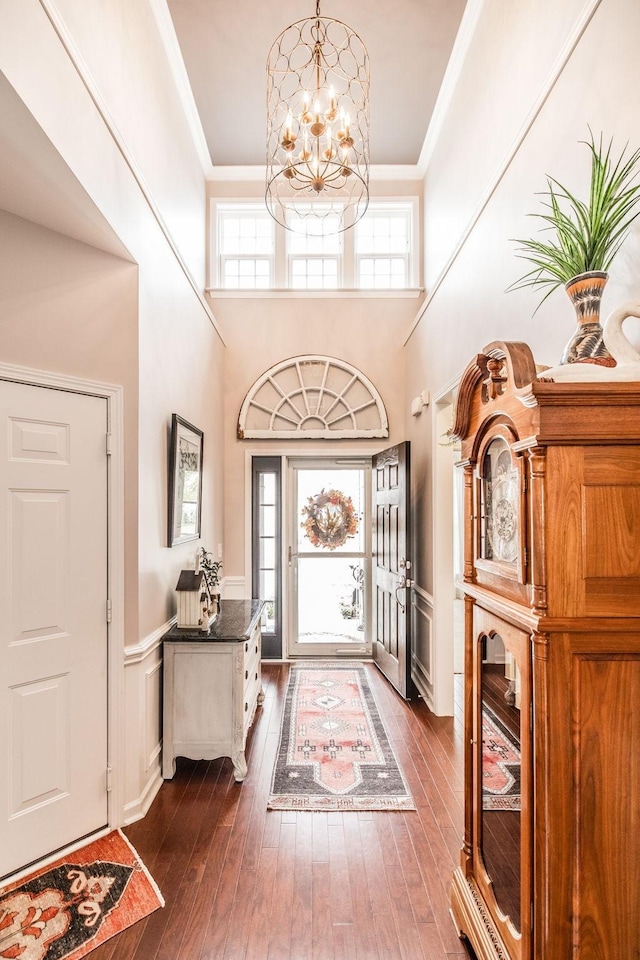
392, 566
53, 630
329, 558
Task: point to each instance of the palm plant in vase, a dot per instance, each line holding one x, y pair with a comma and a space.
586, 238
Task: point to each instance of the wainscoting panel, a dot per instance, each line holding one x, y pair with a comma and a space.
233, 588
422, 643
143, 690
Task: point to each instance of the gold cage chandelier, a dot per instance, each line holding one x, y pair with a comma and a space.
317, 126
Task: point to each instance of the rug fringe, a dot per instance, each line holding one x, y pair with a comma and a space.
143, 867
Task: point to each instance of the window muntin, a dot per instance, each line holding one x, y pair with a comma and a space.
314, 259
383, 242
383, 273
313, 273
246, 246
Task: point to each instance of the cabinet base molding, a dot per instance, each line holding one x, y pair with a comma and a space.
472, 919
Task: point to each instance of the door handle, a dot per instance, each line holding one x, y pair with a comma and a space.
402, 584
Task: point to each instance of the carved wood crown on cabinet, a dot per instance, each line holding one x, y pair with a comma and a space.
550, 862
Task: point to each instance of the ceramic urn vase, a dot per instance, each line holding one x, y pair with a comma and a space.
587, 343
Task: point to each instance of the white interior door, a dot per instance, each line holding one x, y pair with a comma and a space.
53, 630
329, 570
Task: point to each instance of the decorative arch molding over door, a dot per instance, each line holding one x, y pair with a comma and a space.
312, 397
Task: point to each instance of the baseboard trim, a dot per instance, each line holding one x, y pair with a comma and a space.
137, 809
418, 677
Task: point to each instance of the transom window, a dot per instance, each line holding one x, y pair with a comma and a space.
246, 246
313, 258
250, 251
383, 247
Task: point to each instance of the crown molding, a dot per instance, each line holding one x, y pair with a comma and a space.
459, 51
169, 38
253, 174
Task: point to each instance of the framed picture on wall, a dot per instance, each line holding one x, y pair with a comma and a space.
185, 481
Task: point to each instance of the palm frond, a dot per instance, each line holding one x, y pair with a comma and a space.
584, 236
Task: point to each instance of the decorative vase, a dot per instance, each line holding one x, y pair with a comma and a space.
587, 343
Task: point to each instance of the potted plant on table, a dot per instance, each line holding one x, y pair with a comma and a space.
211, 569
586, 238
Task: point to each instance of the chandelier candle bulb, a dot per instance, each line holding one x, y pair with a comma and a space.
289, 138
329, 151
332, 112
305, 153
306, 116
317, 127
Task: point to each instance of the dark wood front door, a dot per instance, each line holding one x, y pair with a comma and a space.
391, 566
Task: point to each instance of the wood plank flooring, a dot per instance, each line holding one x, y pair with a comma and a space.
244, 883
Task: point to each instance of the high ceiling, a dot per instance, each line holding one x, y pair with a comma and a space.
225, 43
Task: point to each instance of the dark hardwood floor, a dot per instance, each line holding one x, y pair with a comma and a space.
244, 883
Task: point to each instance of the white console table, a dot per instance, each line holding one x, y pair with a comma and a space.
212, 686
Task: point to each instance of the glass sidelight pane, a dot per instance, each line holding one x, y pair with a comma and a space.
266, 550
267, 521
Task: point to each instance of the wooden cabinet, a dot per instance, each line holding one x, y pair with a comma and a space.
212, 686
550, 863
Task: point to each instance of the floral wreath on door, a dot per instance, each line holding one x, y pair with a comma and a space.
330, 519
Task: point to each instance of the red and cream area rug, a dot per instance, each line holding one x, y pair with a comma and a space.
334, 753
500, 764
69, 908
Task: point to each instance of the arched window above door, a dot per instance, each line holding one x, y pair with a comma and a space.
312, 397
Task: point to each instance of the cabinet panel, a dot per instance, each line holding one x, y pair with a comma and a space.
611, 507
203, 697
606, 694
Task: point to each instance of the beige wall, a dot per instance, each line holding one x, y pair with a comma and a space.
91, 85
503, 76
121, 49
69, 308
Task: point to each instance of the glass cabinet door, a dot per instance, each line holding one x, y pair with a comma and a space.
502, 765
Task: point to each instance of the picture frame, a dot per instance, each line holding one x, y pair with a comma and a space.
185, 481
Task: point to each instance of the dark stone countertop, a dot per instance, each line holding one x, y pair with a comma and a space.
235, 621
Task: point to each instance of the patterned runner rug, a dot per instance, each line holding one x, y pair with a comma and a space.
69, 908
500, 765
334, 752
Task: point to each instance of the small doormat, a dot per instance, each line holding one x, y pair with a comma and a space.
500, 764
69, 908
334, 753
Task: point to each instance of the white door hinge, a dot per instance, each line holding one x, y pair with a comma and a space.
109, 610
108, 444
108, 780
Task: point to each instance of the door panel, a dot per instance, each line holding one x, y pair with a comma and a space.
392, 565
53, 635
